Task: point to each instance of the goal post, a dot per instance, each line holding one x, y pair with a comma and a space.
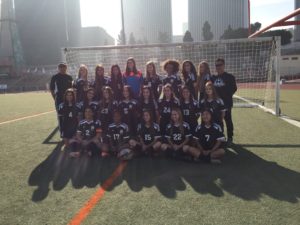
254, 63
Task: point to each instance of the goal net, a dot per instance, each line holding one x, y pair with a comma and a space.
253, 62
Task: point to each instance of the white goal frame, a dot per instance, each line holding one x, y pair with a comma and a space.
254, 60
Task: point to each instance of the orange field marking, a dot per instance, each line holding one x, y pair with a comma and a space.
96, 197
26, 117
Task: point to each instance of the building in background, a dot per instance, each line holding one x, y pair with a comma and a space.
11, 54
297, 28
146, 19
219, 13
47, 26
95, 36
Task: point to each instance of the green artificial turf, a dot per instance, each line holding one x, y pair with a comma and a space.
258, 182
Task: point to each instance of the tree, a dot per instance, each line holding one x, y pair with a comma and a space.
131, 40
164, 37
255, 27
187, 37
206, 32
121, 38
285, 35
230, 33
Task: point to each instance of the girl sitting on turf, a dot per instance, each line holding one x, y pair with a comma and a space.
189, 77
118, 137
165, 105
81, 84
89, 137
129, 109
214, 103
116, 82
152, 80
209, 138
107, 105
148, 136
88, 102
68, 111
177, 136
189, 107
148, 103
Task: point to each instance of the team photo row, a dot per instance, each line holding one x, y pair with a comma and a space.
179, 114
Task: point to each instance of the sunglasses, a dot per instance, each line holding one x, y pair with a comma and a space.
219, 65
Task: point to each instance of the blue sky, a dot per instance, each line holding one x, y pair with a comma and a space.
92, 13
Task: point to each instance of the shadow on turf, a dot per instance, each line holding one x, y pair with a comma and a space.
242, 174
49, 138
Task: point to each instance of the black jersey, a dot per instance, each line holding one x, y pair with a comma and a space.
82, 106
154, 84
190, 112
117, 87
202, 82
88, 129
178, 134
216, 106
189, 81
165, 107
98, 85
151, 106
148, 134
69, 112
105, 113
118, 134
81, 86
175, 82
207, 137
58, 85
69, 123
129, 110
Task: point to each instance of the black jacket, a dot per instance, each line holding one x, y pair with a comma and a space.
225, 86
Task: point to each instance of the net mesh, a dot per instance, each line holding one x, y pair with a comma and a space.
253, 62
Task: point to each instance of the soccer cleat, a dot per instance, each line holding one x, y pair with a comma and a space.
126, 154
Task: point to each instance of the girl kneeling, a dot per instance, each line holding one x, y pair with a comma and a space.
88, 138
177, 136
209, 138
148, 136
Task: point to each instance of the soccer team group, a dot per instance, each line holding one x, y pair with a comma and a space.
127, 114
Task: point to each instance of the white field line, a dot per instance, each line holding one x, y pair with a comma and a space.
284, 118
26, 117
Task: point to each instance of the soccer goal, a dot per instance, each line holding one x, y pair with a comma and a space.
253, 62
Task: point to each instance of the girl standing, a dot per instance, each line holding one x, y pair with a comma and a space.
107, 105
165, 106
189, 107
203, 78
68, 111
152, 80
189, 77
116, 82
81, 84
129, 109
133, 77
172, 68
99, 82
214, 103
148, 103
